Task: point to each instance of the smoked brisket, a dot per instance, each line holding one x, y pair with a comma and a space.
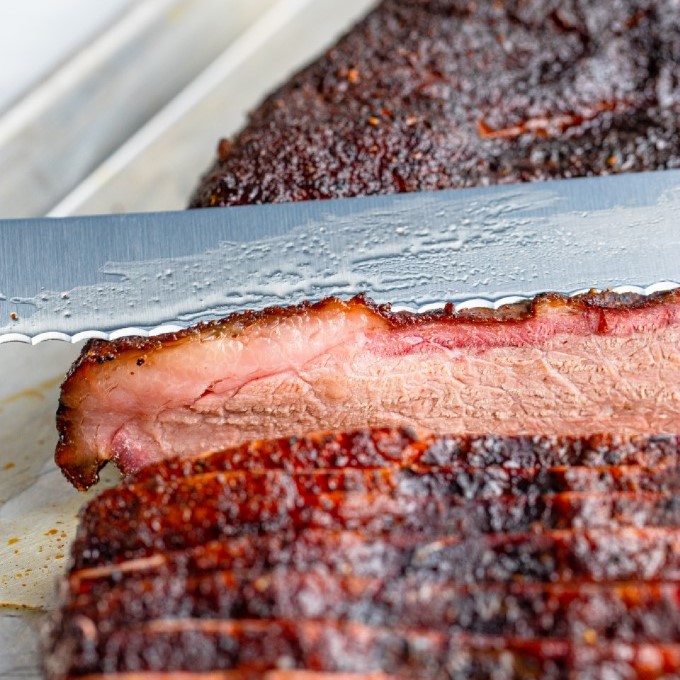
436, 94
253, 564
513, 512
581, 366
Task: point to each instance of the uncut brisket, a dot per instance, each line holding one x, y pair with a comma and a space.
439, 94
508, 577
593, 364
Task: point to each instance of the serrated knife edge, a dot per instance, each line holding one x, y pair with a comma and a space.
472, 303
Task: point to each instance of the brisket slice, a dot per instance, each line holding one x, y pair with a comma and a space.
240, 674
419, 560
579, 366
382, 447
260, 645
598, 555
373, 515
623, 611
97, 563
201, 510
449, 93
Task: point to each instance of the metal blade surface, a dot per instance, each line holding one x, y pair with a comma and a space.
112, 275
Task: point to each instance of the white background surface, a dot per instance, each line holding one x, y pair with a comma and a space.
36, 35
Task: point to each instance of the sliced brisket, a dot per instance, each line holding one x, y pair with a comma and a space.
424, 557
536, 533
587, 365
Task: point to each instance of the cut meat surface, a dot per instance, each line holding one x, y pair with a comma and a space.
392, 552
566, 366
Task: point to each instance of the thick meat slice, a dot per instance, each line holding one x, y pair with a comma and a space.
373, 515
450, 93
369, 536
391, 481
241, 674
623, 611
228, 504
201, 644
565, 366
274, 674
382, 447
601, 555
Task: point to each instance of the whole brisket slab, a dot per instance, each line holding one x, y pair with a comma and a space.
170, 572
452, 93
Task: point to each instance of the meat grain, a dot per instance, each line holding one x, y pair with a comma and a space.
592, 364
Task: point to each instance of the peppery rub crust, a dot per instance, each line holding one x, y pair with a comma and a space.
383, 447
393, 549
432, 95
431, 477
600, 309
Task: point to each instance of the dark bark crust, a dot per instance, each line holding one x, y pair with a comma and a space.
433, 95
416, 555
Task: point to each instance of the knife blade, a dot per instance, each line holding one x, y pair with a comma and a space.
113, 275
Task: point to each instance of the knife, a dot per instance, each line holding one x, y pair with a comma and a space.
114, 275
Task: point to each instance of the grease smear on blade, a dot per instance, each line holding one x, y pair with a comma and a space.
476, 253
